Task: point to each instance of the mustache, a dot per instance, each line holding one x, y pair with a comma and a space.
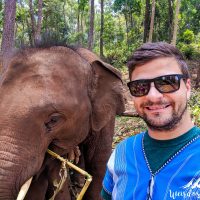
158, 103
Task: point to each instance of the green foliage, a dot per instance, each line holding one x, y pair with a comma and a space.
188, 36
195, 106
190, 16
123, 25
127, 6
83, 5
161, 22
190, 51
190, 45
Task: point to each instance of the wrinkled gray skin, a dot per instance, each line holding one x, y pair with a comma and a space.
57, 98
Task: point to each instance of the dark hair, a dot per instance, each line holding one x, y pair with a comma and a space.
150, 51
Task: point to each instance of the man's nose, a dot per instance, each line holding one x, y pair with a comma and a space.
154, 94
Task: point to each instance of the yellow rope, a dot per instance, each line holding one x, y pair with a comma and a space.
63, 179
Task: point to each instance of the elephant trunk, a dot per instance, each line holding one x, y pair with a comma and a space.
15, 169
6, 194
8, 189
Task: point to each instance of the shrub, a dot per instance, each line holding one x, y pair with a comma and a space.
188, 36
190, 51
194, 104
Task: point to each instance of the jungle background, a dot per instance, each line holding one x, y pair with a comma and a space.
110, 28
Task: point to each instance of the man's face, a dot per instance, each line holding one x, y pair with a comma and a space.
161, 111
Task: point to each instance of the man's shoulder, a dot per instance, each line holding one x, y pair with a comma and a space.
197, 129
130, 140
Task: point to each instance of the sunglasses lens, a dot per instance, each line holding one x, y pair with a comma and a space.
139, 88
167, 84
164, 84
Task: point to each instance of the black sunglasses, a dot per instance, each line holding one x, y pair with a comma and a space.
164, 84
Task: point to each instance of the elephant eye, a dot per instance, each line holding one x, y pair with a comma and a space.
53, 121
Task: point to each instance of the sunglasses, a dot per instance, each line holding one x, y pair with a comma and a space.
164, 84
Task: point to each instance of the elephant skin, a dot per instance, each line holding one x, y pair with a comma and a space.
57, 98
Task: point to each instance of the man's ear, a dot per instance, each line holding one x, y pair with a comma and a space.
188, 87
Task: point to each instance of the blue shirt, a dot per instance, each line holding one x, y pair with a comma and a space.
128, 175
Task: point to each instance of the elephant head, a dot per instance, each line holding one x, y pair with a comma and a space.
55, 97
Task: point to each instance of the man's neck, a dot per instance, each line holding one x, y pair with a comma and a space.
182, 127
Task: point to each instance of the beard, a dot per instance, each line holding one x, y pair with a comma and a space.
169, 123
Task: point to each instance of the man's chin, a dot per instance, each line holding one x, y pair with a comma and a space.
161, 128
165, 126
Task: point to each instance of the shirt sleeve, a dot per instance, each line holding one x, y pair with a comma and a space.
108, 182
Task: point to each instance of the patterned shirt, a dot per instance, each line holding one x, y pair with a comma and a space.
128, 174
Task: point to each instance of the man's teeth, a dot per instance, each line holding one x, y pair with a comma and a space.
156, 107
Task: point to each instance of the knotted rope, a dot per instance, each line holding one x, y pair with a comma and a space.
63, 175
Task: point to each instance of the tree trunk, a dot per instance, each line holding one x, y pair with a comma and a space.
8, 30
82, 27
176, 23
37, 38
152, 21
127, 28
197, 81
170, 20
65, 20
146, 21
30, 35
78, 23
91, 29
32, 22
22, 42
1, 5
36, 28
102, 29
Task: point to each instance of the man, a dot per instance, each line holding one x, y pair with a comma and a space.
162, 163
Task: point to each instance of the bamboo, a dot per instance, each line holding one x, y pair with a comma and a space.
87, 175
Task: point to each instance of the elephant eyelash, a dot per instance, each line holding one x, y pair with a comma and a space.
53, 121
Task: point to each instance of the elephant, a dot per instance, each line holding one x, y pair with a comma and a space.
59, 98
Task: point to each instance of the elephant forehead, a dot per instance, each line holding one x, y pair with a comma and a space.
29, 95
45, 79
47, 63
36, 95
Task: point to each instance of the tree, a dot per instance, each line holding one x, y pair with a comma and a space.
146, 21
78, 22
152, 20
197, 84
102, 29
170, 19
178, 2
91, 26
39, 23
131, 11
36, 27
8, 29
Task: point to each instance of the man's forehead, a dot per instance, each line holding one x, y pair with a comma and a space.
156, 67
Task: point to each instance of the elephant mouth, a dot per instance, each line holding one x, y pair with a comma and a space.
24, 189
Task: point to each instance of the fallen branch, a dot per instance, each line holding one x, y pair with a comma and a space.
129, 114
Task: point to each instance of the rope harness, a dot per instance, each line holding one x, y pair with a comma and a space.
63, 176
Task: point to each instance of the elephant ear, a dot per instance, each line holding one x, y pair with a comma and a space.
106, 90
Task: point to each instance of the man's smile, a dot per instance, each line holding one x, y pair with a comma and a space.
157, 108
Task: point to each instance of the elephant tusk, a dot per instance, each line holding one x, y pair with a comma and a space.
24, 189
